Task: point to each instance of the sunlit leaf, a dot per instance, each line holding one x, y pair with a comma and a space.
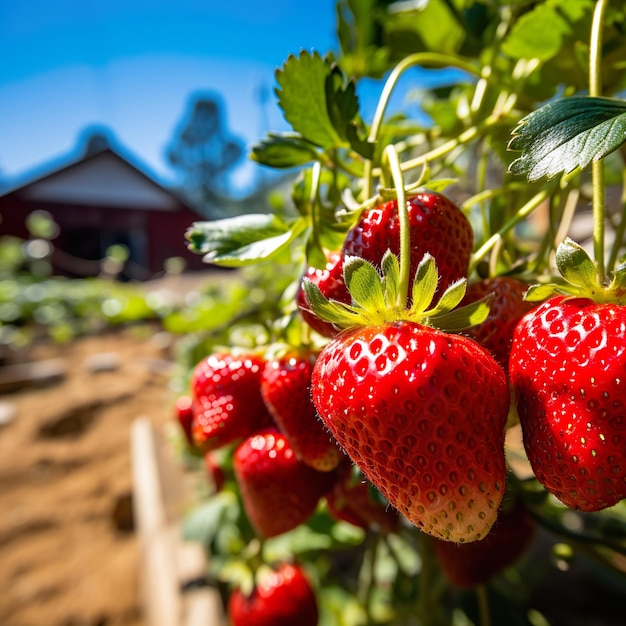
302, 96
566, 134
283, 151
242, 240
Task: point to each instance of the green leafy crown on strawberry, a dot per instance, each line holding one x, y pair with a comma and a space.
580, 278
376, 297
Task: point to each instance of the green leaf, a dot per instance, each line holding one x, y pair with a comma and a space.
618, 284
424, 284
566, 134
203, 522
333, 312
537, 34
430, 25
362, 147
576, 266
302, 95
538, 293
283, 151
364, 283
451, 297
463, 317
391, 278
342, 102
242, 240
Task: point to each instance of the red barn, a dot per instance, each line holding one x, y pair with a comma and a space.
98, 200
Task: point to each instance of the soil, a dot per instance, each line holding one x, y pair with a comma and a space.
69, 556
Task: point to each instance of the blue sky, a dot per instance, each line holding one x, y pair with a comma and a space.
131, 65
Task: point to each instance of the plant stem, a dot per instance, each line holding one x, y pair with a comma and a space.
426, 552
483, 605
524, 212
481, 176
597, 167
433, 59
490, 194
465, 137
578, 537
405, 231
316, 174
367, 578
621, 228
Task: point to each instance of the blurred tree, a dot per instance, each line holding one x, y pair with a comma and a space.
204, 153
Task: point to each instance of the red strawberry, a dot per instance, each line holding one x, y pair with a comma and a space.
422, 413
437, 226
472, 564
278, 491
568, 369
228, 401
286, 389
507, 308
331, 284
183, 412
350, 500
215, 472
284, 597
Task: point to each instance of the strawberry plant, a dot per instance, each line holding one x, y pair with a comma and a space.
450, 294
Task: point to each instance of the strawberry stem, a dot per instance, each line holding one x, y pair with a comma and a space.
405, 232
524, 212
621, 226
432, 59
483, 606
597, 167
367, 575
425, 580
465, 137
316, 174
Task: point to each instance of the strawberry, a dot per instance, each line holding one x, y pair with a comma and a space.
507, 308
422, 413
183, 412
278, 491
331, 284
228, 401
471, 564
214, 471
286, 390
568, 370
284, 597
437, 226
351, 500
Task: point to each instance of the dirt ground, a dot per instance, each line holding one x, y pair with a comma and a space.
68, 554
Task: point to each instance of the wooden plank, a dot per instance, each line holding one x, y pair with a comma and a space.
157, 564
167, 563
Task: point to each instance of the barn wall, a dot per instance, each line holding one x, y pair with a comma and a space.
86, 231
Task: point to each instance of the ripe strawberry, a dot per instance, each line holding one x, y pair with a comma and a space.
228, 402
568, 369
331, 284
422, 413
278, 491
284, 597
437, 226
350, 500
286, 390
507, 308
215, 472
183, 412
471, 564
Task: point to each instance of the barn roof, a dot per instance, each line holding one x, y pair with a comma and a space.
100, 176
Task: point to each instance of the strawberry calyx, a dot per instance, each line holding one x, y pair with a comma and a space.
580, 278
377, 298
244, 573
